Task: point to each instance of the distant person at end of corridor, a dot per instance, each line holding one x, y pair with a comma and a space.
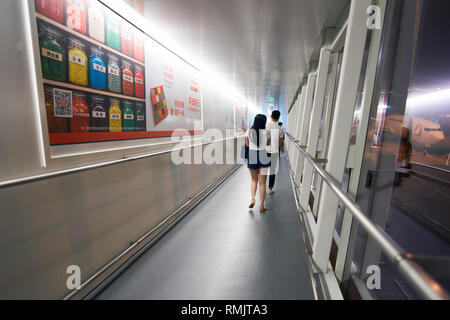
280, 124
276, 147
258, 160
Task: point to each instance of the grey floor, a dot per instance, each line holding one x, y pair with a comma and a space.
224, 251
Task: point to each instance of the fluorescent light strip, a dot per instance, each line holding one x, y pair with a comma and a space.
35, 94
158, 34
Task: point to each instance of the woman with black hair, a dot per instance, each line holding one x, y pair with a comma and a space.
258, 160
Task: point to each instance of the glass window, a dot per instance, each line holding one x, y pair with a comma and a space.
405, 184
327, 122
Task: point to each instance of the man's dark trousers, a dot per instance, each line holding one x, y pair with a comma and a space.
275, 158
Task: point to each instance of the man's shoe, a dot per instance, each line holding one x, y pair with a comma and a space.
271, 191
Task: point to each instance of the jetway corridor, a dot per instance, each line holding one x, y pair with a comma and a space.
133, 133
224, 251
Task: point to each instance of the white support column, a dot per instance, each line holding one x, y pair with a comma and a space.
345, 253
290, 117
303, 130
342, 122
298, 125
313, 137
290, 128
290, 120
326, 126
294, 118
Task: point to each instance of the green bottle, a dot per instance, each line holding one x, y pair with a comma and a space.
128, 117
113, 32
53, 56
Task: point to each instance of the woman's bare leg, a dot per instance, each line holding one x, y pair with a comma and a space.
254, 174
262, 190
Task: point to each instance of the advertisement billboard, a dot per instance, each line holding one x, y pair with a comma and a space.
105, 80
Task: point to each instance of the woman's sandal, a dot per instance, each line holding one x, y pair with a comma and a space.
262, 210
252, 204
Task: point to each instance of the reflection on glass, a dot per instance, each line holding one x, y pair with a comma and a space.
428, 115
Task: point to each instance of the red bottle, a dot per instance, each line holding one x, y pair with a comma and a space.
80, 120
127, 79
76, 13
138, 47
139, 83
126, 38
51, 8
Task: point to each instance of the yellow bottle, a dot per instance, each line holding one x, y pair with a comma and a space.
78, 63
115, 117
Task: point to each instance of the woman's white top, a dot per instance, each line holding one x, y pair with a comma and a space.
263, 136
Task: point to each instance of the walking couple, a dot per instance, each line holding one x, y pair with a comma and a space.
265, 142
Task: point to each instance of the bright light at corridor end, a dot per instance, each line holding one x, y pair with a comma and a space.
158, 33
220, 83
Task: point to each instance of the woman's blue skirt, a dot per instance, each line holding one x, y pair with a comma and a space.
258, 159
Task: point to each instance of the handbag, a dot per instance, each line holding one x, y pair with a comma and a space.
244, 152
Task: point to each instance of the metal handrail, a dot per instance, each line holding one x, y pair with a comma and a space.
45, 176
425, 285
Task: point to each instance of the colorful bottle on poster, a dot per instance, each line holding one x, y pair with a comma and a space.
55, 124
114, 78
140, 117
115, 116
96, 22
138, 42
127, 79
76, 15
99, 119
78, 64
113, 32
128, 117
139, 82
53, 55
52, 9
80, 120
126, 37
97, 69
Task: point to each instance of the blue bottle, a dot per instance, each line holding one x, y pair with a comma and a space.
97, 69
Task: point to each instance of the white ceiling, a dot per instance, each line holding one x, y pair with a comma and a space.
262, 47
